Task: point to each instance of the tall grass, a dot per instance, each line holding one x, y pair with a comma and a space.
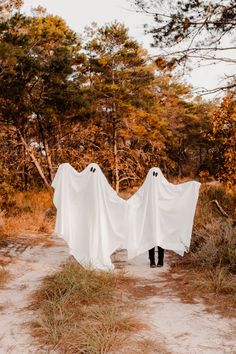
25, 213
211, 263
83, 311
214, 236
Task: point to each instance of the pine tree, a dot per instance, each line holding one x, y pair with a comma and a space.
122, 83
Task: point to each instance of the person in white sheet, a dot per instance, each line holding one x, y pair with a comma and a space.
161, 214
91, 217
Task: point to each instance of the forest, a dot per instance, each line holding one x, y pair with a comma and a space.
101, 98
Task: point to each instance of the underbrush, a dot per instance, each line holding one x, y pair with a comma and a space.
214, 235
209, 270
25, 212
83, 311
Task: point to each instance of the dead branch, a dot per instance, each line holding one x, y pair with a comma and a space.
221, 210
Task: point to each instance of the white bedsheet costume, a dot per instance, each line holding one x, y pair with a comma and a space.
95, 221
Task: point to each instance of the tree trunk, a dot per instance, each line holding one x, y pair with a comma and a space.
34, 159
117, 183
114, 127
46, 148
25, 170
49, 160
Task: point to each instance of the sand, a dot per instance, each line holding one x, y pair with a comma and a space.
179, 327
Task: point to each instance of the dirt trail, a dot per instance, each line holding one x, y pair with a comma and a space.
181, 328
27, 269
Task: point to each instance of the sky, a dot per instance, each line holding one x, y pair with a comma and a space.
80, 13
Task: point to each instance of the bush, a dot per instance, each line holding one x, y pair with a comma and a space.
214, 237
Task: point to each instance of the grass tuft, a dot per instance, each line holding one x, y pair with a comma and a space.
83, 311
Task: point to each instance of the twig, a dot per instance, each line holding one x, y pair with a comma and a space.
221, 210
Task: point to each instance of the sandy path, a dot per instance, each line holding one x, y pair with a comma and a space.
181, 328
27, 270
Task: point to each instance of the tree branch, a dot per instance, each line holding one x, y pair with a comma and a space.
221, 210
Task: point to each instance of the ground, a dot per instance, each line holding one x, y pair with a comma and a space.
178, 327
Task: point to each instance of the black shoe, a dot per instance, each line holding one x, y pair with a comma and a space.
152, 265
159, 265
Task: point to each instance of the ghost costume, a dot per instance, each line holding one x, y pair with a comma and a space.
95, 221
161, 214
90, 215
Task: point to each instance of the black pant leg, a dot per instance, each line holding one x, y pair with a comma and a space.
160, 255
151, 253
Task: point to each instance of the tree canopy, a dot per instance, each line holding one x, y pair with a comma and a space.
100, 98
193, 30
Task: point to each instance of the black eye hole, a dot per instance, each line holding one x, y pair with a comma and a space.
155, 174
94, 170
91, 169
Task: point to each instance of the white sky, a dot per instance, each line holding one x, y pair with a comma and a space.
80, 13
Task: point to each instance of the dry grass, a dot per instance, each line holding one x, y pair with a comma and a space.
143, 345
217, 288
83, 311
4, 276
26, 218
150, 346
209, 270
206, 212
214, 236
27, 212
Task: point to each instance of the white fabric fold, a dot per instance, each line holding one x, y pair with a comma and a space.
95, 221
